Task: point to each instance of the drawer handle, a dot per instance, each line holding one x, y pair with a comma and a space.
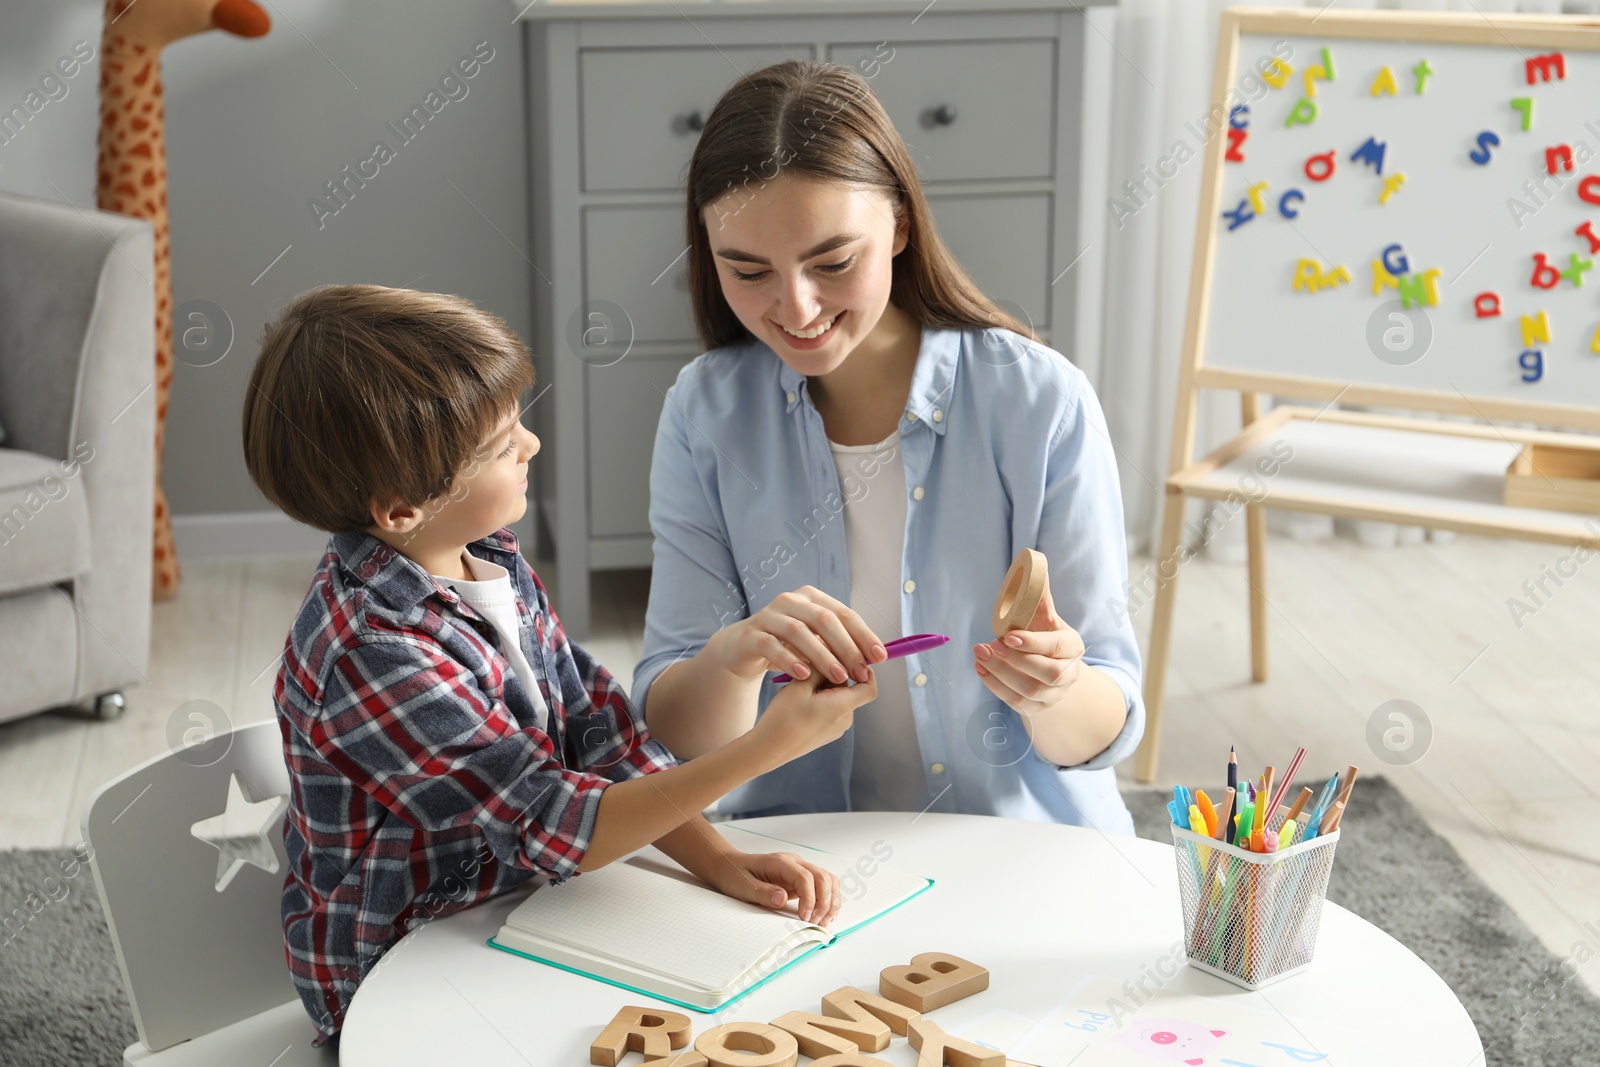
944, 115
695, 121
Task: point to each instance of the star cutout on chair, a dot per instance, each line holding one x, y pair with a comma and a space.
243, 833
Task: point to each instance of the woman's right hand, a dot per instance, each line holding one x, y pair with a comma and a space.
800, 631
807, 714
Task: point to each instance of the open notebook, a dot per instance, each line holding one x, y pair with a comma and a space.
646, 925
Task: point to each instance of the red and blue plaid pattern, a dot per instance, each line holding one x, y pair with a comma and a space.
419, 781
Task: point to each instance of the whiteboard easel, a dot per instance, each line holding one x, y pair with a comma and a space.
1241, 335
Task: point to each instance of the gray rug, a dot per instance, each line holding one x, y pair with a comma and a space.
1407, 880
61, 999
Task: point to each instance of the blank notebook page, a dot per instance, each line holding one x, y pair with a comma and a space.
659, 924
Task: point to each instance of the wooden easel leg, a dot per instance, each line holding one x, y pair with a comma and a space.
1255, 517
1168, 560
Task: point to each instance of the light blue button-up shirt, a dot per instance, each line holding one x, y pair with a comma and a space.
1005, 447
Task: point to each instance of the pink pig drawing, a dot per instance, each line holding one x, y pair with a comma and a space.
1172, 1039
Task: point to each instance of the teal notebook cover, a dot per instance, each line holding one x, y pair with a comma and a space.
741, 994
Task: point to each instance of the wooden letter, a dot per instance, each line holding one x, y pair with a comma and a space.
933, 980
935, 1048
857, 1005
748, 1045
633, 1029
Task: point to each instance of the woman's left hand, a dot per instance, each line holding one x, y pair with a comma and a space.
1032, 669
772, 879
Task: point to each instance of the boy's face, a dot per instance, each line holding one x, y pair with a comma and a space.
490, 492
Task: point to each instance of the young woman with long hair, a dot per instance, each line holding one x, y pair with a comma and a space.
859, 454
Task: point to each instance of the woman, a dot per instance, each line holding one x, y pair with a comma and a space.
860, 454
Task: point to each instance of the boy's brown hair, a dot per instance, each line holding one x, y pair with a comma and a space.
364, 391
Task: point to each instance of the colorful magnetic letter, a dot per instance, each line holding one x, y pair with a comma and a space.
1594, 342
1486, 304
1304, 112
1312, 73
1325, 164
1542, 65
1589, 189
1239, 215
1277, 73
1382, 279
1486, 140
1420, 288
1370, 152
1576, 265
1562, 154
1256, 204
1239, 117
1236, 138
1384, 83
1524, 104
1535, 329
1283, 203
1422, 70
1544, 275
1400, 265
1587, 231
1310, 277
1532, 368
1390, 185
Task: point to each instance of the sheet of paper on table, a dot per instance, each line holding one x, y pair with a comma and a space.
1100, 1025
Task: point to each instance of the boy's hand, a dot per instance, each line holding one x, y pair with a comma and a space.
800, 631
808, 713
772, 879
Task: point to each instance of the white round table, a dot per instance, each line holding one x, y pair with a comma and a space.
1044, 907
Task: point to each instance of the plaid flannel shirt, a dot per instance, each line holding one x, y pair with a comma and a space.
419, 784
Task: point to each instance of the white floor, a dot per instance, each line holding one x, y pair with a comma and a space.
1512, 776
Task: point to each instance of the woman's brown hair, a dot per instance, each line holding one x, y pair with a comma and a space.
363, 391
822, 121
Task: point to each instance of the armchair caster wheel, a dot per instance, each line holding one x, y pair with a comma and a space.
109, 706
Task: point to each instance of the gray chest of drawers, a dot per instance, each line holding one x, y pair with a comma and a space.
987, 95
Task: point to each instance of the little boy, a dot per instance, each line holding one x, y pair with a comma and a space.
446, 742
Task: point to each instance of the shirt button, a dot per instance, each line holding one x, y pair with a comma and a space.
916, 494
921, 679
938, 416
791, 396
910, 586
937, 768
911, 416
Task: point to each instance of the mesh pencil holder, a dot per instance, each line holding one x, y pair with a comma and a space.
1251, 917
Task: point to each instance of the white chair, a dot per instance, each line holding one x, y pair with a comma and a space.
204, 967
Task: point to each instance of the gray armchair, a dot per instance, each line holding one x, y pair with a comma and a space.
77, 462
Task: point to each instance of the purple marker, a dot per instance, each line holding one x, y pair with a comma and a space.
903, 646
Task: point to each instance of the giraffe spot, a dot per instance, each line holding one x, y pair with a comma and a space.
140, 150
116, 90
148, 179
140, 124
161, 553
126, 189
123, 168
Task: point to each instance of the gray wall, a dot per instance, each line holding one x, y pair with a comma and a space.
255, 128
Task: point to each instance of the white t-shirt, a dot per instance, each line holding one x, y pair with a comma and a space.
493, 597
886, 772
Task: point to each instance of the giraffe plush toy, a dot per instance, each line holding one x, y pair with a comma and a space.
132, 172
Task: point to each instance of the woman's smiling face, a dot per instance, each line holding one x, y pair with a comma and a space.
795, 255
